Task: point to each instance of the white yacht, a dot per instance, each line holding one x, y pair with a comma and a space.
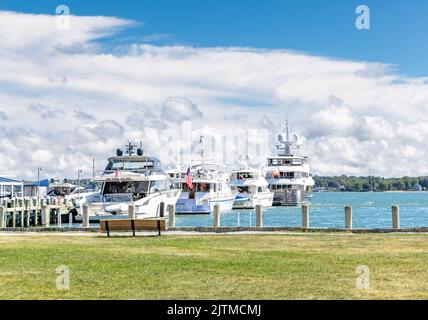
207, 185
288, 175
250, 188
130, 178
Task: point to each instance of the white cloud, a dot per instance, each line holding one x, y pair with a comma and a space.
178, 109
61, 93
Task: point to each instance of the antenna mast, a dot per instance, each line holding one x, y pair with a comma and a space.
202, 143
287, 138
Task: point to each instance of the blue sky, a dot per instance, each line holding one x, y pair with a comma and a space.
398, 34
81, 95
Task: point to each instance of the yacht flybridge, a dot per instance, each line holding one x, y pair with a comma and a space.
288, 175
130, 177
204, 184
250, 187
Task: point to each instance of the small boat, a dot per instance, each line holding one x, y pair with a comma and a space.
59, 188
250, 187
130, 178
288, 175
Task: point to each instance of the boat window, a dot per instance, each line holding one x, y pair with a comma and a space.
245, 175
242, 189
203, 187
287, 175
135, 187
185, 187
159, 185
260, 189
134, 165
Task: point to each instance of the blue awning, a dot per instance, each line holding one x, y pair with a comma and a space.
41, 183
9, 180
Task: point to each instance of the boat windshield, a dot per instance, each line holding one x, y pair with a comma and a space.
244, 175
60, 191
138, 189
242, 189
134, 165
286, 162
197, 187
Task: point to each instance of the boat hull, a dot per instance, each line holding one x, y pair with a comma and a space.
190, 206
291, 198
148, 207
264, 199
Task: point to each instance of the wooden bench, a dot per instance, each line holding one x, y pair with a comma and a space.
149, 224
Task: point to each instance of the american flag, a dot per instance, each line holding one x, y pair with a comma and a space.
188, 180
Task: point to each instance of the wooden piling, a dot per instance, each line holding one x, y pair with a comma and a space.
58, 217
305, 216
3, 215
85, 211
171, 215
13, 205
36, 211
395, 217
28, 211
259, 216
348, 217
131, 211
45, 213
216, 216
162, 209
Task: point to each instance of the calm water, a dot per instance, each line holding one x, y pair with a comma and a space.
370, 210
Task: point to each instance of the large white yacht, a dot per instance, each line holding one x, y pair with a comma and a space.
250, 187
208, 185
130, 178
288, 175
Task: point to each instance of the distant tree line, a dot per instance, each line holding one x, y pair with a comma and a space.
370, 183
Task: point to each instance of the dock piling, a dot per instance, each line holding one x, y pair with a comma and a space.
45, 213
216, 216
3, 217
162, 209
85, 211
131, 211
395, 217
59, 217
259, 216
348, 217
305, 216
27, 211
13, 205
171, 215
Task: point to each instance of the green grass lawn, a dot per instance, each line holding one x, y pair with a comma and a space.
294, 266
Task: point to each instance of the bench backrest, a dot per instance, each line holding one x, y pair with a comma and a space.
132, 224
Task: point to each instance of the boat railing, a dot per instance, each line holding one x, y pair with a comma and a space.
142, 171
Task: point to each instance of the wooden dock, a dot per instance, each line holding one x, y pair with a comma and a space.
34, 212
